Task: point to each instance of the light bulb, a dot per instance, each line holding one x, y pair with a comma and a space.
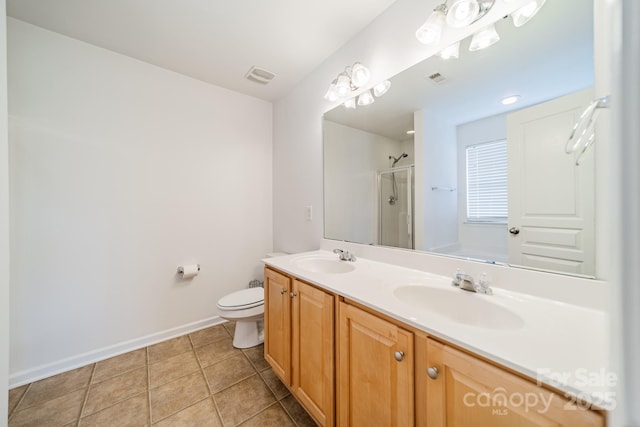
510, 100
526, 12
343, 85
331, 94
350, 103
366, 98
452, 51
484, 38
431, 31
381, 88
360, 75
462, 13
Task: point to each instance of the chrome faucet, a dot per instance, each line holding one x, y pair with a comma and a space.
467, 283
345, 255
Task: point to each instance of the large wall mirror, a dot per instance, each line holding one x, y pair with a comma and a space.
439, 164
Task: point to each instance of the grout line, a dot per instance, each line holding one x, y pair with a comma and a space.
15, 409
86, 394
215, 404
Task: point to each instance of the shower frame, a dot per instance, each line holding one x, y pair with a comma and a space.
410, 201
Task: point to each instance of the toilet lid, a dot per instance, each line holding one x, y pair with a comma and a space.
245, 298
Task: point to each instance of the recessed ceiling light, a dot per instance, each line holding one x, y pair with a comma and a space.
510, 100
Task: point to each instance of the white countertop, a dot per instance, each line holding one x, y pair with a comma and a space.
559, 344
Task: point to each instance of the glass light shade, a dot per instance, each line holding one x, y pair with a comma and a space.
366, 98
452, 51
343, 86
360, 75
431, 31
484, 38
462, 13
350, 103
331, 94
381, 88
526, 12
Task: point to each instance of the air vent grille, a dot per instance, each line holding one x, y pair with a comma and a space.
259, 75
437, 78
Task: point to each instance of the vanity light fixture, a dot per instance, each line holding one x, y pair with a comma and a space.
352, 78
510, 100
411, 132
460, 14
484, 38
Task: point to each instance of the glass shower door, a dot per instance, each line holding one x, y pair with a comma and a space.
395, 207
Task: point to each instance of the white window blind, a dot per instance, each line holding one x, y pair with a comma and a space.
487, 182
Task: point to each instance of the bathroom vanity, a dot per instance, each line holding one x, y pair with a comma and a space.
368, 342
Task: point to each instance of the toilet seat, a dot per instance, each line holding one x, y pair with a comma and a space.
243, 299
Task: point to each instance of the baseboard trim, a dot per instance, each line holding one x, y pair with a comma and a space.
44, 371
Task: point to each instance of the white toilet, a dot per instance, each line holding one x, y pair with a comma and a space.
246, 307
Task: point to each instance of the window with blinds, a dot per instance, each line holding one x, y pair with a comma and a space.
487, 182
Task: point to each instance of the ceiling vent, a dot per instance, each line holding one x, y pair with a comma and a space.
259, 75
437, 78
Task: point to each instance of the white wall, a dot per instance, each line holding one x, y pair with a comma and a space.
490, 239
4, 224
120, 172
438, 139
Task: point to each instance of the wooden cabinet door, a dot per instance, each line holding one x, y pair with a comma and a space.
470, 392
277, 323
374, 389
313, 351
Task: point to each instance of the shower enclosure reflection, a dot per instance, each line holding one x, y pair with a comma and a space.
395, 206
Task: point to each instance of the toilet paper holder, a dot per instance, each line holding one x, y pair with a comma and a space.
181, 269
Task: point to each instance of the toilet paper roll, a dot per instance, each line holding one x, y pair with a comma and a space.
189, 271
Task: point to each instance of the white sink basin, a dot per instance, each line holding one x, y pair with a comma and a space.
324, 265
460, 306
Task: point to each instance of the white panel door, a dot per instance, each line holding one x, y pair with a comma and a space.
551, 200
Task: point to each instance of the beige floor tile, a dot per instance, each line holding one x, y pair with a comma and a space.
202, 414
169, 348
132, 412
243, 400
15, 394
57, 386
297, 412
274, 383
273, 416
208, 335
230, 326
117, 365
215, 352
115, 390
56, 412
172, 368
228, 372
177, 395
256, 355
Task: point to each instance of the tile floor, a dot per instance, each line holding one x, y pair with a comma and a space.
197, 379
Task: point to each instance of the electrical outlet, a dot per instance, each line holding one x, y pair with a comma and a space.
308, 210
